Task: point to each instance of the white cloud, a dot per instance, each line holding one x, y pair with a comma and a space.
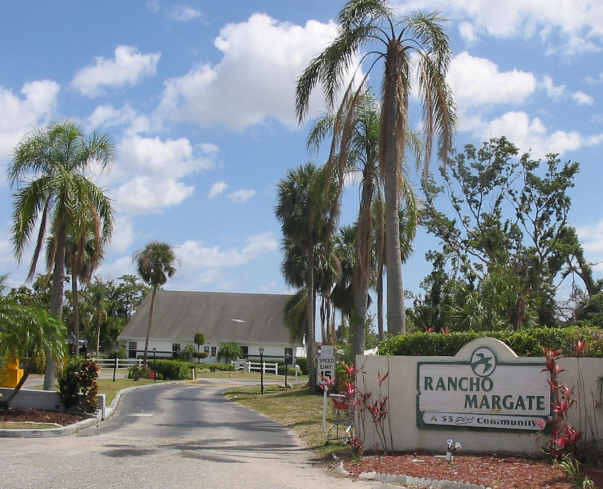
109, 116
117, 268
145, 195
572, 27
467, 32
123, 234
193, 254
553, 91
582, 98
184, 13
23, 114
478, 81
216, 189
128, 67
255, 79
241, 196
531, 134
592, 241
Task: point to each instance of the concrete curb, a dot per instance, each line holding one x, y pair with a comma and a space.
418, 482
85, 423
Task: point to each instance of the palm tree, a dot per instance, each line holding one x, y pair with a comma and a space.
97, 293
84, 250
155, 264
28, 333
414, 42
48, 167
303, 204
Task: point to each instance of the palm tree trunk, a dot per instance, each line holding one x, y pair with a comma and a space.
146, 341
99, 320
361, 272
6, 404
380, 251
310, 334
76, 309
56, 300
394, 112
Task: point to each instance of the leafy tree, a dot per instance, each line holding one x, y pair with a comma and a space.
371, 24
229, 351
199, 340
155, 264
28, 333
508, 239
303, 205
48, 168
97, 294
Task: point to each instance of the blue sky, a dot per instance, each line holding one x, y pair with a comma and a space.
199, 100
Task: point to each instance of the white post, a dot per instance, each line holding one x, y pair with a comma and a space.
263, 367
116, 363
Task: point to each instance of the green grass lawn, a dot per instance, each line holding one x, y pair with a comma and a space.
295, 408
110, 388
5, 425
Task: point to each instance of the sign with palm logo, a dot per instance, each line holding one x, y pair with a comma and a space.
482, 393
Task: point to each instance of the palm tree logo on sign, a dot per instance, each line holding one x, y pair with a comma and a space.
483, 361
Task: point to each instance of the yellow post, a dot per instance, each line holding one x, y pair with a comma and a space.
11, 375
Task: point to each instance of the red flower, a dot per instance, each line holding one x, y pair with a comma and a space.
430, 330
326, 383
580, 346
542, 423
561, 407
350, 370
445, 331
339, 404
350, 389
566, 391
382, 379
553, 385
557, 369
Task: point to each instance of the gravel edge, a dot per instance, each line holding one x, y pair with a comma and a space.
80, 425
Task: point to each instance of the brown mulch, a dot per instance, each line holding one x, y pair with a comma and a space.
488, 471
39, 416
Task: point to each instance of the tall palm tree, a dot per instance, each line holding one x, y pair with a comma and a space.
414, 42
48, 168
303, 203
97, 293
155, 264
84, 250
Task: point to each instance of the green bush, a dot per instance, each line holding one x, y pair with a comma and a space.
171, 369
229, 351
136, 373
225, 367
303, 365
525, 342
77, 385
200, 354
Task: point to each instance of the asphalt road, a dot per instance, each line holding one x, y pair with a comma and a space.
169, 436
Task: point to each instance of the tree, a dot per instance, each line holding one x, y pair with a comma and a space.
508, 239
199, 339
97, 297
28, 333
48, 168
84, 249
155, 264
362, 22
303, 205
229, 351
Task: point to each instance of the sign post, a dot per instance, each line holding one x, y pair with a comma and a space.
325, 370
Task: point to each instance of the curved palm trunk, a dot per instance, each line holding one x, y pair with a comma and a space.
360, 280
146, 341
56, 301
310, 334
394, 108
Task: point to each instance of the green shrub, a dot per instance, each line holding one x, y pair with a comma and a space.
225, 367
229, 351
136, 373
303, 365
200, 354
77, 385
525, 342
171, 369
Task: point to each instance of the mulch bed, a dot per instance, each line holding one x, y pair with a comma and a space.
488, 471
39, 416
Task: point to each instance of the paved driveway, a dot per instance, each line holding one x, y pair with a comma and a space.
169, 436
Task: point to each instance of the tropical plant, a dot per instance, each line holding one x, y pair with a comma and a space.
199, 340
97, 293
84, 243
229, 351
48, 168
155, 264
304, 199
28, 334
414, 42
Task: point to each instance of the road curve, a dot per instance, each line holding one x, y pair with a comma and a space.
169, 436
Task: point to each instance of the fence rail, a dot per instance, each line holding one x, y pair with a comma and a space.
118, 362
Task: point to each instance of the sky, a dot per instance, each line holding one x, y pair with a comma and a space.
198, 98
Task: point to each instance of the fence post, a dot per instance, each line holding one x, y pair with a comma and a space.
263, 367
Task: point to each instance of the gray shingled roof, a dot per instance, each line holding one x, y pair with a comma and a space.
258, 318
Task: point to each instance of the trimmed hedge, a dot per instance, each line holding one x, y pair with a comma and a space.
171, 369
224, 367
525, 342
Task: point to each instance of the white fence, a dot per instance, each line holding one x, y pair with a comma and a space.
266, 367
118, 363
